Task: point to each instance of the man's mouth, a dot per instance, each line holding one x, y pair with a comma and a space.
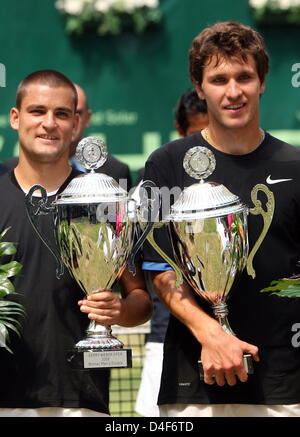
235, 107
48, 137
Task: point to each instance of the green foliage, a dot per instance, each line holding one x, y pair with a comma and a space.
9, 311
271, 12
284, 288
115, 21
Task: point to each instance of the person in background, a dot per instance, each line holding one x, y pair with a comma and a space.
228, 67
112, 166
190, 116
190, 113
3, 168
36, 380
9, 164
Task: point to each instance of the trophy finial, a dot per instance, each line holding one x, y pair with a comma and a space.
91, 152
199, 162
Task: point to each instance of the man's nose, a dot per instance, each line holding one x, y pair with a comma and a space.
233, 90
49, 120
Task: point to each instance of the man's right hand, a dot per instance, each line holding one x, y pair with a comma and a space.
222, 353
222, 358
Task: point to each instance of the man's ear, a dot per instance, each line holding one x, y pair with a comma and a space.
262, 87
14, 118
199, 90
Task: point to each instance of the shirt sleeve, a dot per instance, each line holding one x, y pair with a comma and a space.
159, 267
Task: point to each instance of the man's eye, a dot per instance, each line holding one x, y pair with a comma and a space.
62, 114
245, 77
219, 80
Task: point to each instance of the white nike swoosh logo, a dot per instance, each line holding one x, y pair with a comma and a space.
276, 181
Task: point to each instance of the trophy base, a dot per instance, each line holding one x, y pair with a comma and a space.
99, 349
248, 364
98, 359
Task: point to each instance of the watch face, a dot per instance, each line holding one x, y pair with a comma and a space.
199, 162
91, 152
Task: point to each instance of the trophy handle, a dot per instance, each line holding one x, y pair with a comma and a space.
148, 230
33, 212
150, 238
148, 208
267, 218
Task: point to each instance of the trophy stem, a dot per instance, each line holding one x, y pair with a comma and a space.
99, 337
97, 329
221, 311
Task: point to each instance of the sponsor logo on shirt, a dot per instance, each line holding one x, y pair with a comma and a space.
271, 181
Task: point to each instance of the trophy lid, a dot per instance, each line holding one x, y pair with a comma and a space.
203, 199
91, 187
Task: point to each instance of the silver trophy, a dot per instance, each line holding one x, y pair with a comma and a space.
208, 230
94, 226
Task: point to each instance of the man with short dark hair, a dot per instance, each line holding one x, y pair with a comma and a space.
37, 380
112, 166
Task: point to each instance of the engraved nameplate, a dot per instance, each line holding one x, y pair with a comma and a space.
105, 359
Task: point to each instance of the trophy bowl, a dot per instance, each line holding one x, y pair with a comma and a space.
208, 230
94, 227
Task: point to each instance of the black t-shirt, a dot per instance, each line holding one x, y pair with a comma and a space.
37, 374
258, 318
